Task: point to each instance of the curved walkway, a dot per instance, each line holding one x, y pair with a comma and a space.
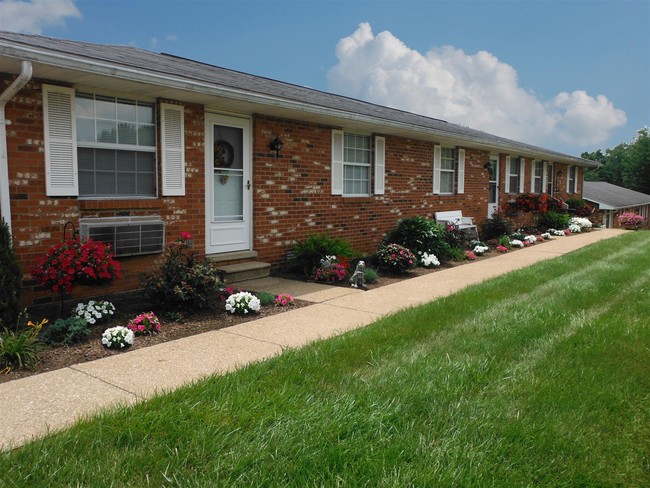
51, 401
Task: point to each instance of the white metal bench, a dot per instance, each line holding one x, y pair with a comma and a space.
455, 217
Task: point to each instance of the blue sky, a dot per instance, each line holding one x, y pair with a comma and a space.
566, 75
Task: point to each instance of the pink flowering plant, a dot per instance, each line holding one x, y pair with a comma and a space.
144, 324
283, 300
502, 249
331, 269
396, 258
630, 219
470, 255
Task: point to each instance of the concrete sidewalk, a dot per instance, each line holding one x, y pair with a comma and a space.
33, 406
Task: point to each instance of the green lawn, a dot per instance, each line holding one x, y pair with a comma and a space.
538, 378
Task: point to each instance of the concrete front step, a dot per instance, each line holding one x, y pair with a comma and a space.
236, 273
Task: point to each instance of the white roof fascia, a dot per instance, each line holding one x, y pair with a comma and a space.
133, 74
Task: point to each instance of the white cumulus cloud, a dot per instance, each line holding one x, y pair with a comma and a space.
476, 90
31, 16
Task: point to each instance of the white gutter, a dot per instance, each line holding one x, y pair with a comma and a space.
22, 79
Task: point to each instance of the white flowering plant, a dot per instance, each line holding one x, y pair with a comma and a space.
581, 222
479, 250
546, 236
94, 311
117, 337
242, 303
429, 260
575, 228
556, 232
516, 243
531, 238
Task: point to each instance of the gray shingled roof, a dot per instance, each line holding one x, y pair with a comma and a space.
193, 71
613, 196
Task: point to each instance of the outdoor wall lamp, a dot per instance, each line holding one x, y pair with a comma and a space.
559, 174
486, 165
276, 145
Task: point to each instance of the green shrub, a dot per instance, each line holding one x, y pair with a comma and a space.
371, 275
396, 258
504, 241
265, 298
418, 234
308, 252
65, 332
553, 220
183, 283
457, 254
10, 280
495, 226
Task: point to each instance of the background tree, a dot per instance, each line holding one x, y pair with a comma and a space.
626, 165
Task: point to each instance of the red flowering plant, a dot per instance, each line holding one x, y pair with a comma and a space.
76, 261
529, 202
331, 269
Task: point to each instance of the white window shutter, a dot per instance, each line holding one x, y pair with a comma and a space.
507, 174
337, 162
575, 183
437, 162
533, 167
544, 176
461, 171
61, 172
380, 165
172, 142
522, 171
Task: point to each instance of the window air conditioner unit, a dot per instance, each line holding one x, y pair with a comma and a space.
128, 236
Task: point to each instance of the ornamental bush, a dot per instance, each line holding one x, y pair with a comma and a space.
183, 282
307, 253
395, 258
495, 226
76, 261
420, 235
553, 220
10, 280
65, 332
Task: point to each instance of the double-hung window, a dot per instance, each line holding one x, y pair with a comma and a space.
514, 175
537, 173
116, 147
447, 170
571, 184
356, 165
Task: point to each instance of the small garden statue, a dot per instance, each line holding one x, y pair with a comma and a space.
358, 278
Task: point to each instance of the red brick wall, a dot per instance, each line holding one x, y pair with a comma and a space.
293, 195
38, 220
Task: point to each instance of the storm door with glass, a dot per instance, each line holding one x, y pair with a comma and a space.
493, 185
228, 184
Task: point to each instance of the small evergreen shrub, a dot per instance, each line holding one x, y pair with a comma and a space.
553, 220
371, 275
265, 298
495, 226
183, 282
418, 234
10, 280
65, 332
307, 253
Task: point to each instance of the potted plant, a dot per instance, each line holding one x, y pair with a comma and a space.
630, 220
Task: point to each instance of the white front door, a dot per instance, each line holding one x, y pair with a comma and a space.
493, 185
227, 184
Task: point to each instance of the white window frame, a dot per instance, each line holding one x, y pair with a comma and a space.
537, 166
117, 146
376, 164
572, 179
356, 164
518, 182
448, 171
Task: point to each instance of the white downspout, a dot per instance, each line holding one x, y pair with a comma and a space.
22, 79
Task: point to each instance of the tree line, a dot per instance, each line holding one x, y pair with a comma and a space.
626, 165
